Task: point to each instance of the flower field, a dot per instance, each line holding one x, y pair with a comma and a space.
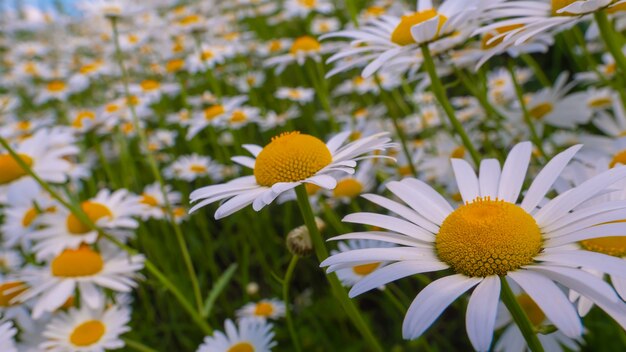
313, 175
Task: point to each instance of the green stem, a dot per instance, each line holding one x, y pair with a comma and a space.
82, 216
519, 316
338, 290
137, 346
155, 170
534, 65
527, 118
286, 285
440, 93
613, 42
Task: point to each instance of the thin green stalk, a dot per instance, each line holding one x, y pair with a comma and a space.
80, 214
440, 93
527, 118
519, 316
137, 346
534, 65
613, 42
338, 290
155, 170
286, 285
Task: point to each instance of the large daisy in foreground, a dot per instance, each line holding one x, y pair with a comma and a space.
491, 237
288, 161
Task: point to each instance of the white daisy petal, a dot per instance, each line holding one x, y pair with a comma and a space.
480, 317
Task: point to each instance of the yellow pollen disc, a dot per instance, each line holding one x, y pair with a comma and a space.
213, 111
291, 157
111, 108
149, 200
10, 290
355, 135
188, 20
56, 86
29, 217
405, 170
179, 212
89, 68
11, 170
238, 116
95, 211
365, 269
617, 8
81, 116
198, 169
402, 34
488, 237
150, 85
619, 158
610, 68
77, 262
532, 310
174, 65
485, 43
559, 4
294, 94
614, 245
307, 3
599, 103
305, 44
263, 309
241, 347
458, 153
275, 45
87, 333
206, 55
348, 187
538, 112
23, 125
375, 11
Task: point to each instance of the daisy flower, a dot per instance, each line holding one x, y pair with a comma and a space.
299, 94
492, 238
153, 202
351, 275
289, 160
248, 335
302, 8
87, 330
192, 167
263, 309
112, 211
45, 152
613, 126
212, 115
302, 48
7, 337
84, 269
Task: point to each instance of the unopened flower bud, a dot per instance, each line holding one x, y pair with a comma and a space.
299, 240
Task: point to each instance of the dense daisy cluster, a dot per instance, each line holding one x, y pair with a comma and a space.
228, 176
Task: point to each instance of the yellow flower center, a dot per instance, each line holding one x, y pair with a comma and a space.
81, 116
29, 217
10, 290
458, 153
614, 245
294, 94
610, 68
275, 45
619, 158
238, 116
189, 20
213, 111
263, 309
95, 211
291, 157
375, 11
617, 8
532, 310
488, 237
11, 170
307, 3
241, 347
206, 55
174, 65
197, 168
600, 102
305, 44
485, 42
56, 86
540, 111
402, 34
365, 269
150, 85
312, 189
149, 200
87, 333
23, 125
111, 108
348, 187
89, 68
77, 262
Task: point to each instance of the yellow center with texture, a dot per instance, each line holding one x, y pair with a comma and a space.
87, 333
488, 237
291, 157
613, 245
241, 347
401, 35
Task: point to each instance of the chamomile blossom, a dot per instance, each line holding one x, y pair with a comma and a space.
87, 330
83, 269
264, 309
214, 114
192, 167
351, 275
491, 238
303, 48
300, 95
248, 335
289, 160
153, 201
